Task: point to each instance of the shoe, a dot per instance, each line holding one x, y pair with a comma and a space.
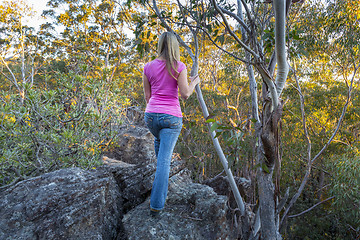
154, 212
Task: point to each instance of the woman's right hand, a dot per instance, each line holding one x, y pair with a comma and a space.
195, 80
185, 89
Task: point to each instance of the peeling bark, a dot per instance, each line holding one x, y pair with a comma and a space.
270, 132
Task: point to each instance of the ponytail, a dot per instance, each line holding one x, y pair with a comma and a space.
168, 48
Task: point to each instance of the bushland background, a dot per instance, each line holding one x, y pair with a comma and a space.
66, 85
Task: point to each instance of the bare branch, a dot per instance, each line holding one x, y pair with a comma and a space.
16, 180
216, 45
184, 17
272, 64
225, 51
248, 12
247, 48
252, 80
270, 84
14, 81
341, 117
195, 65
238, 19
308, 210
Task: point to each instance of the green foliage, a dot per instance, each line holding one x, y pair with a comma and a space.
55, 128
345, 186
337, 218
317, 225
269, 40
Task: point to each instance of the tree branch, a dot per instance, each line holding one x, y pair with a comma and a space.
248, 12
168, 28
270, 84
341, 117
280, 45
308, 210
225, 51
252, 80
14, 81
216, 45
238, 19
247, 48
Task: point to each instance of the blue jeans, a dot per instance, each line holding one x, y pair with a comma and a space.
166, 129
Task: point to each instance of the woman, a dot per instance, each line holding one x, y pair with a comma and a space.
163, 78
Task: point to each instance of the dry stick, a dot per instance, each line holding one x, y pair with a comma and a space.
308, 210
194, 70
311, 161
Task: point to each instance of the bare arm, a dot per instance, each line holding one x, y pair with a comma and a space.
147, 89
185, 89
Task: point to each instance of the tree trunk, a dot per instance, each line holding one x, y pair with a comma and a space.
270, 162
269, 229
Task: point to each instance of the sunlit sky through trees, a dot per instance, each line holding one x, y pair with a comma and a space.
37, 6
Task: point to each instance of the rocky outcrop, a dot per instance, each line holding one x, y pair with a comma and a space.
135, 181
65, 204
192, 211
135, 145
221, 186
112, 202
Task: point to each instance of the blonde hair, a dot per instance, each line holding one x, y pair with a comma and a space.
168, 48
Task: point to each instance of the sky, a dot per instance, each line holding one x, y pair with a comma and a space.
38, 6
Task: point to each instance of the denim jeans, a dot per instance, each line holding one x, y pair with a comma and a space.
166, 129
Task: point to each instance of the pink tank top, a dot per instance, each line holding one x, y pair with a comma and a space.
164, 88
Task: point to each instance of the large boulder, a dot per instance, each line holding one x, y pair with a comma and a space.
135, 181
65, 204
77, 204
192, 211
135, 145
221, 186
134, 115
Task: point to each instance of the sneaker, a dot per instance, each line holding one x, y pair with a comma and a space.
154, 212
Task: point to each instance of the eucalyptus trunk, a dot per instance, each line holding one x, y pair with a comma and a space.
269, 140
